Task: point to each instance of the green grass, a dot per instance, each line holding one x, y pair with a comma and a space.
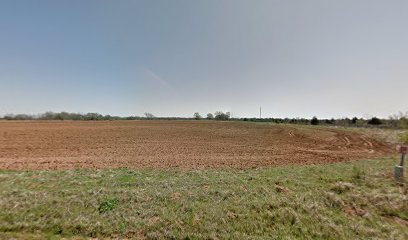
358, 200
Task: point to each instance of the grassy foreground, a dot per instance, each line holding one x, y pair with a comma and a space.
358, 200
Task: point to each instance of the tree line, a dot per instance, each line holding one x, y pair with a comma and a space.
396, 121
65, 116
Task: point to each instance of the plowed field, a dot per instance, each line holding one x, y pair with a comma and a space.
175, 144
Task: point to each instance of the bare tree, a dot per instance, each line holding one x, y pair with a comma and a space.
197, 116
149, 115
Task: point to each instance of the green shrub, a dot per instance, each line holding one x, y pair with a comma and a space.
108, 205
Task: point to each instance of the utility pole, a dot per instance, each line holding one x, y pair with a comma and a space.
260, 112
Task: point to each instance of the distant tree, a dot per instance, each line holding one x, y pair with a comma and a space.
59, 116
399, 120
222, 116
354, 120
149, 115
197, 116
314, 121
210, 116
47, 116
375, 121
342, 121
93, 116
9, 117
404, 122
18, 117
360, 122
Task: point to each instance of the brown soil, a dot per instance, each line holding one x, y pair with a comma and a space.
175, 144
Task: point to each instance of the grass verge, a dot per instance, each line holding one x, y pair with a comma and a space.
358, 200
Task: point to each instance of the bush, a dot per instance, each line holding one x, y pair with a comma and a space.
210, 116
404, 122
314, 121
374, 121
404, 138
108, 205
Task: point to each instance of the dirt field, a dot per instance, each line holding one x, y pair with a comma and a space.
175, 144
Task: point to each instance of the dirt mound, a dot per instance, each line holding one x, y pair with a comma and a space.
175, 144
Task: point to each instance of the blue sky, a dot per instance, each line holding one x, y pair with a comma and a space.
176, 57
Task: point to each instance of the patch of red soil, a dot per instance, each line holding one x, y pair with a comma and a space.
175, 144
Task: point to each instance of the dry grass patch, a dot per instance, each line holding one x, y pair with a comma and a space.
358, 200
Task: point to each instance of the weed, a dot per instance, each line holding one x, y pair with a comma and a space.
108, 205
358, 174
403, 138
341, 187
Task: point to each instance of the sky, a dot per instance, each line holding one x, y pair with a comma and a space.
175, 57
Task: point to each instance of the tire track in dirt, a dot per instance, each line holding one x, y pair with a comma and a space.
369, 143
348, 143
